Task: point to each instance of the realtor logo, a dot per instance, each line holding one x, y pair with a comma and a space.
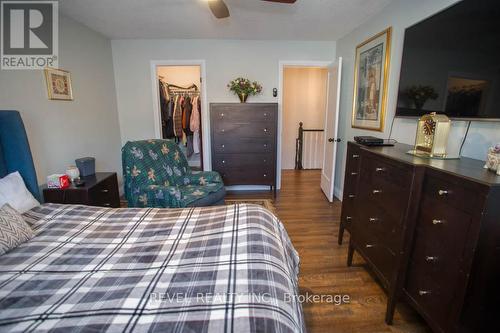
29, 34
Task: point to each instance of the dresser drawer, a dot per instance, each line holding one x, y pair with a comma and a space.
440, 239
245, 161
377, 167
247, 113
380, 258
381, 191
351, 177
376, 221
349, 211
243, 145
233, 131
435, 301
242, 176
353, 160
450, 192
105, 193
351, 182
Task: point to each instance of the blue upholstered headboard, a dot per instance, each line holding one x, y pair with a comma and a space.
15, 153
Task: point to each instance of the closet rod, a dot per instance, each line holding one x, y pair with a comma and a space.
175, 87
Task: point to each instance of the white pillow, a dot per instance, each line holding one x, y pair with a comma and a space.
13, 191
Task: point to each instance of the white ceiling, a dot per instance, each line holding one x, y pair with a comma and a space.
250, 19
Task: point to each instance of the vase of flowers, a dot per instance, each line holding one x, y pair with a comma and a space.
244, 88
420, 94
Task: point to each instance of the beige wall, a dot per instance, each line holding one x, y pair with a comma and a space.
60, 131
304, 100
183, 76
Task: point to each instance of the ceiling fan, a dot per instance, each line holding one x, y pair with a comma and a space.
220, 10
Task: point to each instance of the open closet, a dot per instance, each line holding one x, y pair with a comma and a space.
180, 109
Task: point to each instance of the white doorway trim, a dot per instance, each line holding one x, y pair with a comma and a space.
282, 65
205, 124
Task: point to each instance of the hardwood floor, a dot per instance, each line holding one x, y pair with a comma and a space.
312, 224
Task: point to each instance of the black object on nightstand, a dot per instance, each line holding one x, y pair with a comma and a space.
100, 189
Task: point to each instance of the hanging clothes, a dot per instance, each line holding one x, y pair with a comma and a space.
169, 128
183, 115
187, 108
194, 122
194, 125
166, 114
196, 142
177, 117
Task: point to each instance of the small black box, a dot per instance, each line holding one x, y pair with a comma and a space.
369, 140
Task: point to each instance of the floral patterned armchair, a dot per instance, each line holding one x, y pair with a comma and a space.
156, 174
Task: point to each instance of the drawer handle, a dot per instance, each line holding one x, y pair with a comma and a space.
368, 246
431, 258
377, 191
348, 218
105, 190
424, 292
352, 196
354, 173
443, 192
106, 204
379, 169
355, 156
373, 219
223, 146
437, 222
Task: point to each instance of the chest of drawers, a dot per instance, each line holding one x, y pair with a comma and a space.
430, 230
244, 139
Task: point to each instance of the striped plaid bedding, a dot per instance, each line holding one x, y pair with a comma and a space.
90, 269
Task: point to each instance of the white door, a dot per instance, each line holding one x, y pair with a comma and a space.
331, 128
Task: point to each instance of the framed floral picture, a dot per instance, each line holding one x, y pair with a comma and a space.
370, 82
58, 84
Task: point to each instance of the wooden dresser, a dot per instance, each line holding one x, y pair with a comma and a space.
244, 139
430, 230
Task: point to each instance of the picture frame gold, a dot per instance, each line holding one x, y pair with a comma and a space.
371, 72
59, 85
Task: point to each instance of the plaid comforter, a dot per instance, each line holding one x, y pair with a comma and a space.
90, 269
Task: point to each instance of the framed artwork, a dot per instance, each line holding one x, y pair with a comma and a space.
370, 82
58, 84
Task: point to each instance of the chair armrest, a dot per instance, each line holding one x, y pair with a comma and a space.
203, 177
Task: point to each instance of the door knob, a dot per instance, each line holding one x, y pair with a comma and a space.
332, 140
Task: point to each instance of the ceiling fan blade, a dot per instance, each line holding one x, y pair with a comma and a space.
281, 1
218, 8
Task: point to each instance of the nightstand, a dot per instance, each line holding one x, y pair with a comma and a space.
100, 189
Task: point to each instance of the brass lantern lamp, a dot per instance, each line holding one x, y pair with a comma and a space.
432, 135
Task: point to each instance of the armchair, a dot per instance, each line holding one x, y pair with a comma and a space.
156, 174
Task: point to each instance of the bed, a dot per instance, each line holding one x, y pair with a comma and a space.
91, 269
